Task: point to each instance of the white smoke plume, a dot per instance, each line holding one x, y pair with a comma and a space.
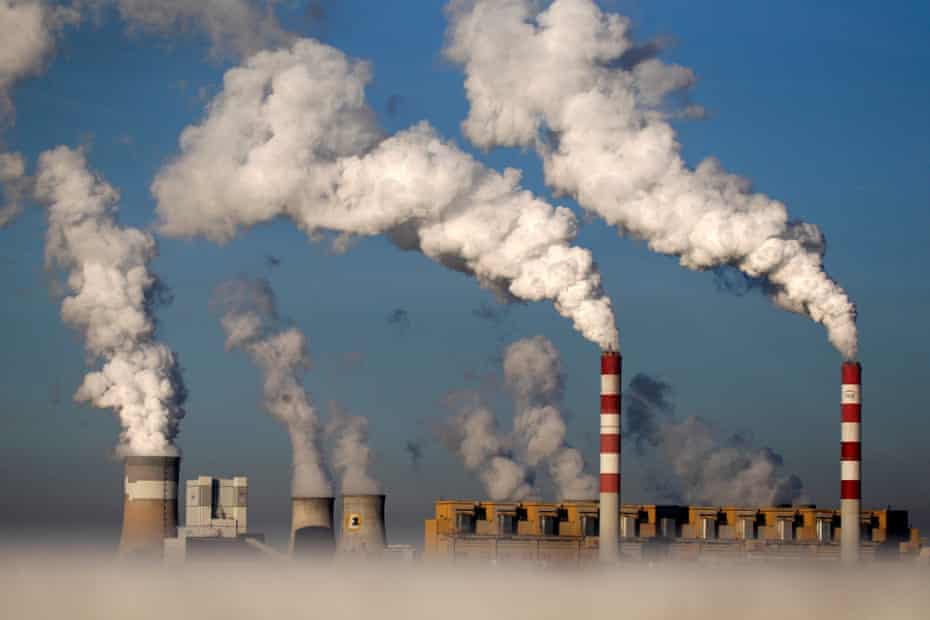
110, 299
291, 135
28, 29
507, 465
250, 319
471, 433
27, 40
593, 110
693, 463
351, 455
234, 27
533, 374
14, 185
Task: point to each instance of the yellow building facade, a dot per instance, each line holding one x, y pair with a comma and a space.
567, 532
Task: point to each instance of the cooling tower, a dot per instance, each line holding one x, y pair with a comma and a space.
362, 525
609, 509
312, 527
850, 460
150, 508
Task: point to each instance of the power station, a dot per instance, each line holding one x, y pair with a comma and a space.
603, 529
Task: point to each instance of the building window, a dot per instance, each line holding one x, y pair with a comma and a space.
589, 525
549, 525
507, 524
824, 530
464, 523
785, 529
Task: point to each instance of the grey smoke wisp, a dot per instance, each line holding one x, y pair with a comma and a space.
399, 318
248, 313
595, 113
291, 134
109, 299
693, 462
508, 465
351, 455
233, 27
533, 376
471, 434
414, 450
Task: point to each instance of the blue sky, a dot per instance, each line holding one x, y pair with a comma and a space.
823, 105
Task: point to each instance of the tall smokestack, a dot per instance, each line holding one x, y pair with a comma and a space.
150, 509
610, 456
312, 527
362, 530
850, 460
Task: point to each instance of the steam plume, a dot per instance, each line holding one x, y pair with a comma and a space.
234, 27
249, 317
694, 463
13, 184
352, 457
111, 293
27, 39
291, 135
533, 374
507, 465
594, 111
471, 433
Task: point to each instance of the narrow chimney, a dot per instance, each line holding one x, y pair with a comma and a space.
362, 530
850, 460
312, 527
150, 508
609, 510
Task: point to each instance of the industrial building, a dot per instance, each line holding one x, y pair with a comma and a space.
216, 524
568, 532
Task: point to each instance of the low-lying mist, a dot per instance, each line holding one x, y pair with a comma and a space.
44, 583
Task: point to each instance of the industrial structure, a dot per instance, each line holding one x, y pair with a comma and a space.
610, 454
851, 458
150, 504
312, 533
568, 532
362, 532
216, 520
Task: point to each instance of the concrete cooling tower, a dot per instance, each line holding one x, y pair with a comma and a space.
362, 525
150, 508
312, 527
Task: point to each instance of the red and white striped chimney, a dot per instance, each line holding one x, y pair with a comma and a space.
850, 460
609, 509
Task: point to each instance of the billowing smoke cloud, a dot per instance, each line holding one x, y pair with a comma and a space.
533, 375
236, 27
508, 465
14, 185
111, 294
291, 135
249, 317
594, 112
694, 463
471, 433
27, 39
351, 455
